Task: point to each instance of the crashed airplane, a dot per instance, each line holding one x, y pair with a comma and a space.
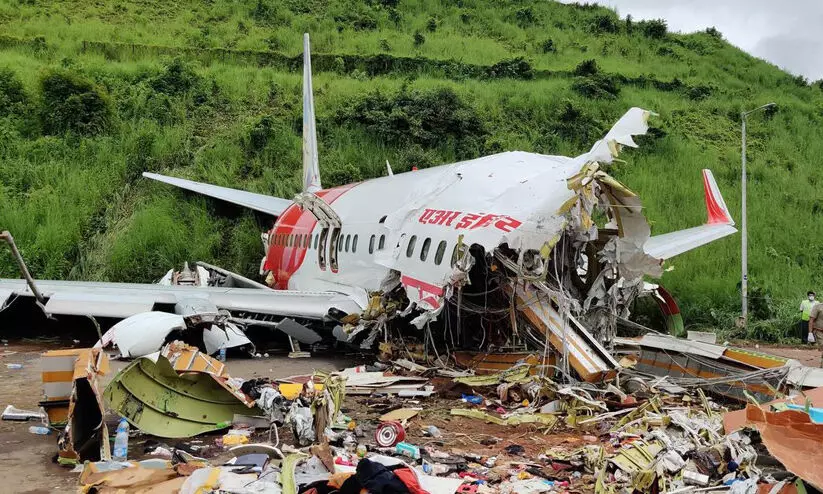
511, 251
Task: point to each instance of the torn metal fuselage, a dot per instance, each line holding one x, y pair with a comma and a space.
546, 231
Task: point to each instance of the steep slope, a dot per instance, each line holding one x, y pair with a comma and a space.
93, 93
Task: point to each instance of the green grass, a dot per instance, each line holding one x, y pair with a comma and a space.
230, 115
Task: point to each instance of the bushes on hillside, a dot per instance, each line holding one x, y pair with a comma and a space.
655, 28
72, 103
547, 46
571, 123
177, 77
605, 23
426, 118
342, 175
586, 68
597, 86
514, 68
358, 19
13, 99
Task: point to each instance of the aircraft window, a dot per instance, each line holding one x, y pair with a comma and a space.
354, 244
458, 252
441, 249
315, 240
410, 247
424, 251
288, 240
348, 242
340, 241
305, 241
321, 252
335, 244
382, 220
371, 244
382, 243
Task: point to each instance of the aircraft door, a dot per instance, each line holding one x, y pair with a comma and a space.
333, 248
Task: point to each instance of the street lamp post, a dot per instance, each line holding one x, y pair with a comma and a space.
744, 240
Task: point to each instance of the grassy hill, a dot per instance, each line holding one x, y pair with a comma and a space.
94, 93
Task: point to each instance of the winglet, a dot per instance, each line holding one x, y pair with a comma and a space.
718, 213
388, 169
311, 168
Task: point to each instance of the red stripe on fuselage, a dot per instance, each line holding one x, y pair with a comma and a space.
284, 260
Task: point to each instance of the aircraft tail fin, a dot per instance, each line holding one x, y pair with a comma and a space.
718, 225
311, 167
716, 209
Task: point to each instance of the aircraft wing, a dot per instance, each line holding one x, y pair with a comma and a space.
121, 300
718, 225
259, 202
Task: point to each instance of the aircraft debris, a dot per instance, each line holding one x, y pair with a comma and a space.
74, 404
178, 392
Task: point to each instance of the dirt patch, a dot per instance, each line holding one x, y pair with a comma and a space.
26, 459
806, 354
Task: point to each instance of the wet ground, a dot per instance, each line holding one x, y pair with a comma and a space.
26, 459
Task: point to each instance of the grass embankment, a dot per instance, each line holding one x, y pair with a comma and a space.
93, 93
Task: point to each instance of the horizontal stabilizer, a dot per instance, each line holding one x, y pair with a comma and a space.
259, 202
718, 225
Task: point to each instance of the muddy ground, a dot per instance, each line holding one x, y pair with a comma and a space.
26, 459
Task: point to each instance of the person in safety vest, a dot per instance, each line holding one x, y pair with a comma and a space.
816, 327
805, 331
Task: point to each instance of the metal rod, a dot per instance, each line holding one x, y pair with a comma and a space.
24, 270
744, 240
744, 230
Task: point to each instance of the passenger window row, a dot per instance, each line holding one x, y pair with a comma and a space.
424, 249
348, 243
345, 243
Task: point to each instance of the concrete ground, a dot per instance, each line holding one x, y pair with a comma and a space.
26, 459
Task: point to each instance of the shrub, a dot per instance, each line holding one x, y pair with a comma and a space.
359, 20
395, 16
419, 39
13, 99
72, 103
514, 68
259, 135
177, 77
418, 117
547, 46
342, 175
587, 68
525, 16
604, 23
571, 123
656, 28
699, 92
431, 25
714, 33
596, 86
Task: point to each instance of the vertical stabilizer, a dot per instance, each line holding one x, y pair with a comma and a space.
311, 168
